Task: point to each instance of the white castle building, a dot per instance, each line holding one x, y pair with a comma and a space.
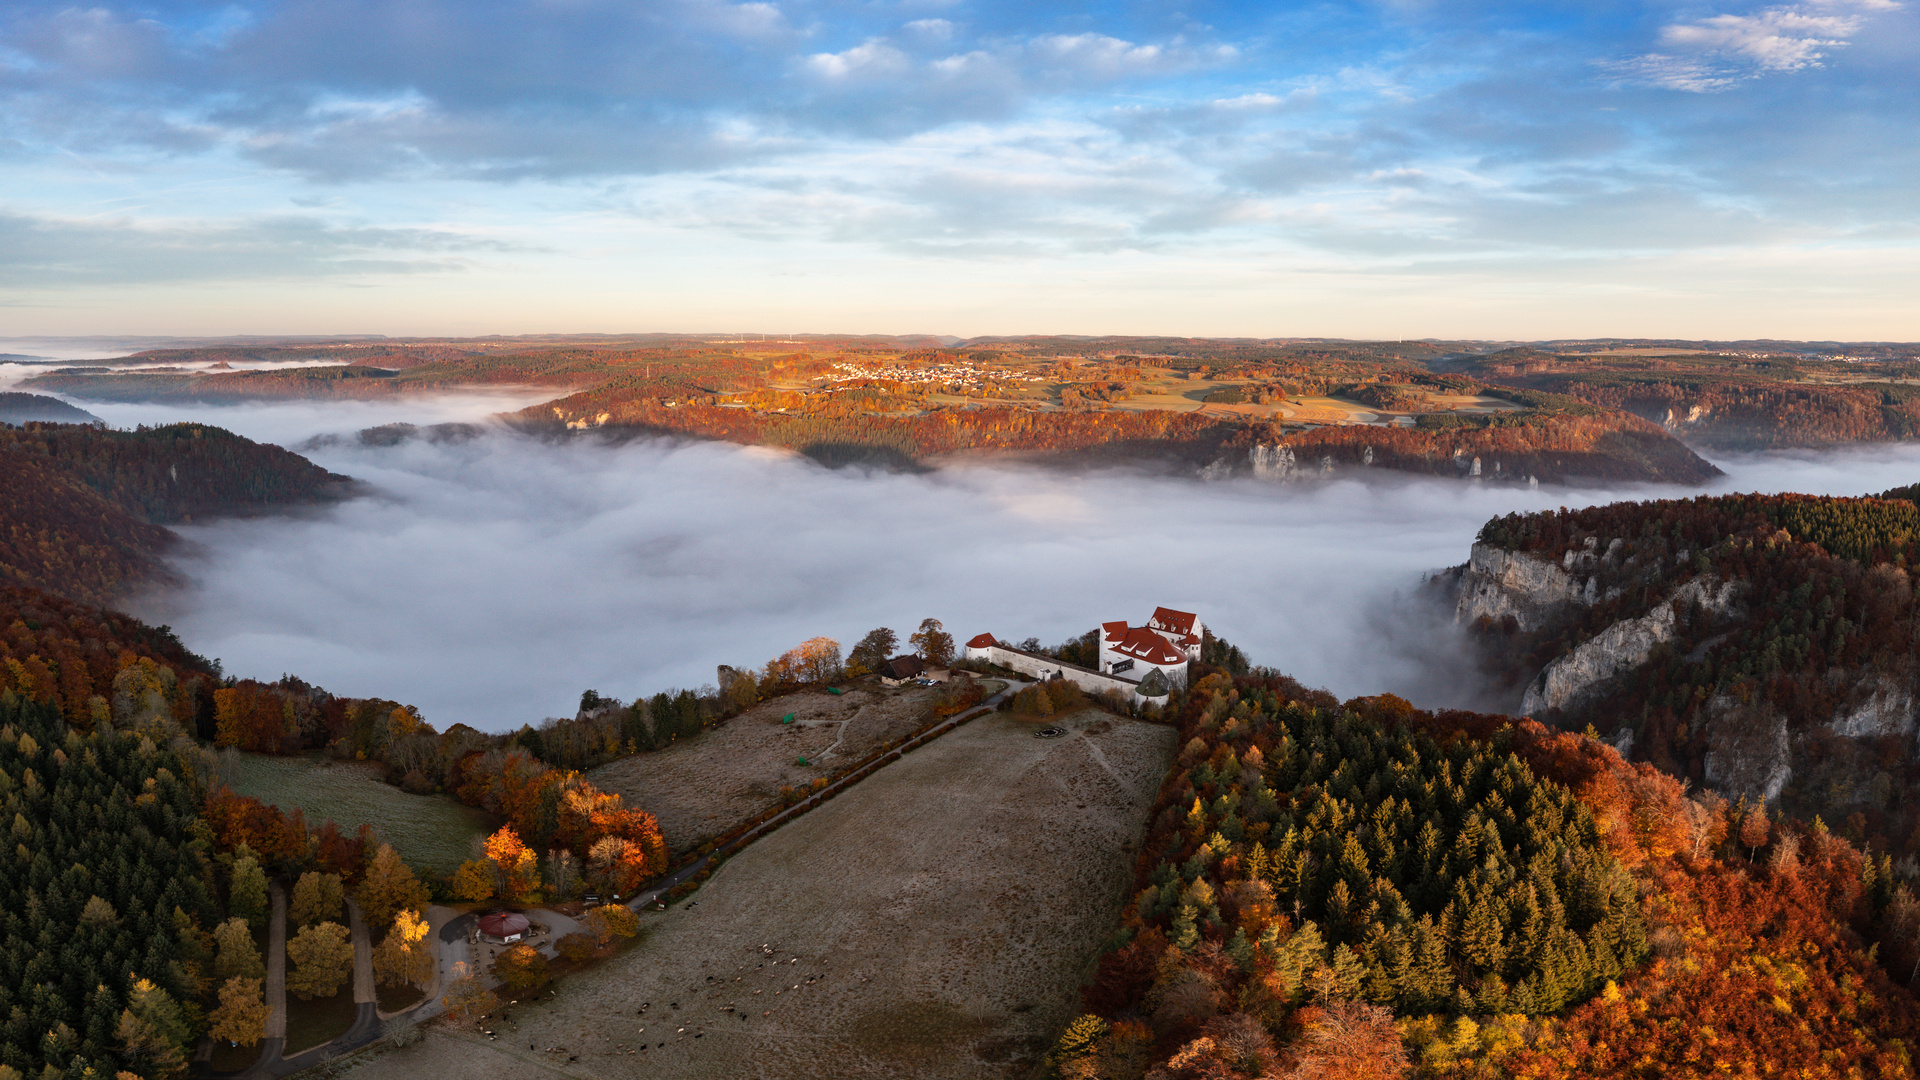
1128, 654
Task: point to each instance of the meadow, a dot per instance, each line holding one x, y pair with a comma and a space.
432, 832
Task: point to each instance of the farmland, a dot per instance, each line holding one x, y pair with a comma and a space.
431, 831
701, 787
933, 921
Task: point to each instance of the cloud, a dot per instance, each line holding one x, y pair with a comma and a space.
39, 251
1718, 52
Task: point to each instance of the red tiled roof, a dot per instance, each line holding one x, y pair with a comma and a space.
1114, 630
1180, 622
983, 641
1143, 644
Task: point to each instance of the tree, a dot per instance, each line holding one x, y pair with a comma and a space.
247, 891
406, 954
322, 955
1754, 829
576, 946
522, 967
474, 880
241, 1017
872, 652
317, 897
469, 997
610, 921
934, 644
238, 957
563, 872
515, 867
388, 886
152, 1032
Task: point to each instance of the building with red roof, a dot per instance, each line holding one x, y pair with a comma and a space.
1128, 654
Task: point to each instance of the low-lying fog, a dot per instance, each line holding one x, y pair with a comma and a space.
491, 581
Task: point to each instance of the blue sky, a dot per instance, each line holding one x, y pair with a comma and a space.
1398, 168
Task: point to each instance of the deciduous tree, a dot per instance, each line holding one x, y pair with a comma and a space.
317, 897
388, 886
521, 967
322, 956
241, 1017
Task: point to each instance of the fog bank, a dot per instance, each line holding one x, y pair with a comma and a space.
490, 581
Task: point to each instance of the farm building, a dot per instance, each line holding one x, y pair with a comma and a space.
901, 670
503, 927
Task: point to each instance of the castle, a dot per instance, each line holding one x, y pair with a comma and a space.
1168, 642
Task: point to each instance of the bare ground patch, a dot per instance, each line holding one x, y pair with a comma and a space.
933, 921
699, 788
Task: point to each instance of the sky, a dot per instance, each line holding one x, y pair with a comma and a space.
491, 581
1386, 168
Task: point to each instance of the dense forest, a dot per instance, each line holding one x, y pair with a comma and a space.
1365, 890
82, 508
1803, 683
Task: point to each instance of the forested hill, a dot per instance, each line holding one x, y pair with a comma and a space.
82, 508
1759, 644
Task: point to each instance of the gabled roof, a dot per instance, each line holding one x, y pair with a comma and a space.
1143, 644
983, 641
1178, 622
1114, 630
903, 667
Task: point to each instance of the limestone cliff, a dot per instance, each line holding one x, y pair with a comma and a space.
1496, 583
1621, 647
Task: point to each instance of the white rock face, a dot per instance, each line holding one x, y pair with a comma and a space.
1621, 647
1498, 583
1274, 463
1750, 754
1888, 711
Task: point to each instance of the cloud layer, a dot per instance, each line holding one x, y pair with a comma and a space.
490, 582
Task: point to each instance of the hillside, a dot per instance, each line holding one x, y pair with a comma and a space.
82, 509
1760, 645
17, 408
1731, 401
1193, 403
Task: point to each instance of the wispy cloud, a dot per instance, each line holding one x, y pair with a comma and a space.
1718, 52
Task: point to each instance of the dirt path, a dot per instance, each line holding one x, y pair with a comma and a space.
276, 986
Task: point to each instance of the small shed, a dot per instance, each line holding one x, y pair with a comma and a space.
503, 927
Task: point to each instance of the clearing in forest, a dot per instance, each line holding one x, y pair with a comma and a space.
432, 832
936, 920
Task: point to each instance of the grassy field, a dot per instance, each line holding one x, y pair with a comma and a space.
935, 921
310, 1023
432, 832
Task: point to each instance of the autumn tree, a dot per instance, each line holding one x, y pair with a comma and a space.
563, 872
238, 957
933, 643
610, 921
522, 967
317, 897
241, 1017
1754, 829
322, 956
469, 997
872, 652
474, 880
388, 886
406, 954
515, 867
576, 946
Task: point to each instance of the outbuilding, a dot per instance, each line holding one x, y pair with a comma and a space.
503, 927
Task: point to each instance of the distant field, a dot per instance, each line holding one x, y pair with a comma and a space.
432, 832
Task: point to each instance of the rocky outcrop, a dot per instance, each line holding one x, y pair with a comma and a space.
1497, 583
1621, 647
1888, 710
1749, 751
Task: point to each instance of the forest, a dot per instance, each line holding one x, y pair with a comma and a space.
1822, 631
83, 509
1370, 890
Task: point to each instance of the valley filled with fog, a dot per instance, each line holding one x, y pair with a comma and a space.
489, 581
